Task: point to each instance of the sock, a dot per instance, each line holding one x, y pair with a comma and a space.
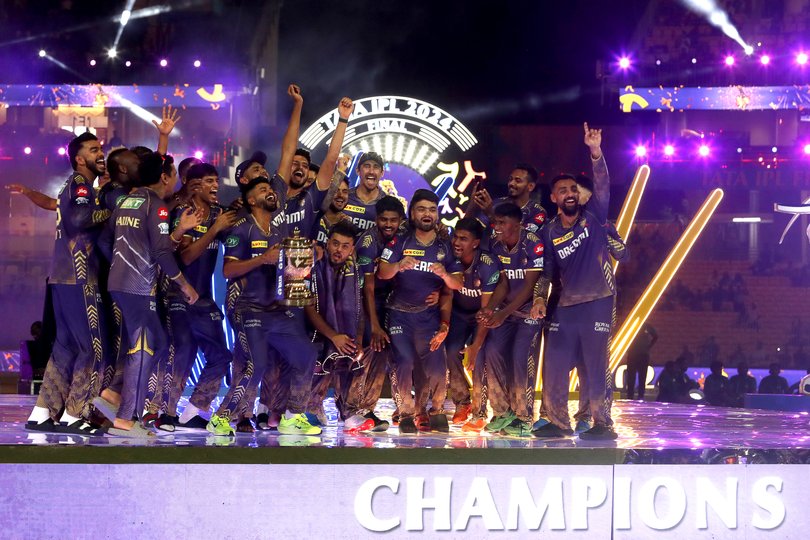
289, 415
262, 408
188, 413
39, 415
67, 419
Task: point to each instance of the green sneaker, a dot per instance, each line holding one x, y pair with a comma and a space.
219, 425
500, 422
518, 428
297, 425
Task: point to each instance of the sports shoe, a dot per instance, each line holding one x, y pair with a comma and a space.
551, 431
583, 425
380, 425
198, 422
499, 422
462, 413
540, 423
395, 417
423, 422
261, 422
297, 425
438, 423
314, 419
475, 425
407, 426
517, 428
81, 427
149, 419
219, 425
600, 433
357, 423
244, 426
166, 422
47, 426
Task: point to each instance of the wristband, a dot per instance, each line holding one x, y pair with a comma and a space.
343, 120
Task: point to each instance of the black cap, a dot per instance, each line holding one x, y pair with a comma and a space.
372, 156
257, 157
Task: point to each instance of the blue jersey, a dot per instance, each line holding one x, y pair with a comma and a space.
526, 256
301, 211
199, 271
412, 287
256, 290
363, 214
369, 248
323, 226
580, 255
480, 277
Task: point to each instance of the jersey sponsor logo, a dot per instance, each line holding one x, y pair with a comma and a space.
261, 244
367, 240
119, 200
355, 209
538, 249
132, 203
163, 228
199, 228
601, 327
539, 218
423, 266
232, 241
295, 217
395, 330
537, 263
362, 224
81, 200
493, 279
127, 221
571, 248
82, 191
518, 273
414, 253
362, 260
163, 213
471, 292
386, 254
505, 260
564, 238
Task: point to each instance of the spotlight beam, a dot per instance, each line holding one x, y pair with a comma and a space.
717, 17
123, 20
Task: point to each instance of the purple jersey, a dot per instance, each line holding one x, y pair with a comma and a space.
412, 287
480, 277
142, 244
580, 255
323, 226
301, 211
256, 290
77, 226
369, 248
200, 270
534, 215
525, 256
362, 214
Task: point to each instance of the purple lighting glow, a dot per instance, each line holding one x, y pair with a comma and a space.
704, 150
801, 58
669, 150
61, 151
764, 59
164, 62
729, 60
641, 151
198, 154
197, 63
807, 149
27, 150
624, 62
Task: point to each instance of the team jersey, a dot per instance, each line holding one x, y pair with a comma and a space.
200, 270
580, 255
110, 195
321, 230
77, 227
362, 214
534, 215
256, 290
301, 211
369, 248
278, 218
480, 277
526, 256
141, 244
412, 287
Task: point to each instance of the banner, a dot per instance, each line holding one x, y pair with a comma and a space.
728, 98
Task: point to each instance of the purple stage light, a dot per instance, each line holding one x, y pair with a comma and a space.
42, 53
669, 150
197, 63
641, 151
774, 149
801, 58
807, 149
164, 62
624, 62
198, 154
27, 150
729, 60
704, 150
127, 63
61, 151
93, 62
764, 59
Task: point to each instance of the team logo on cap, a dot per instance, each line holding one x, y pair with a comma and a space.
163, 213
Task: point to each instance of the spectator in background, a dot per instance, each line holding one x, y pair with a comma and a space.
716, 386
774, 383
668, 384
684, 382
740, 384
638, 361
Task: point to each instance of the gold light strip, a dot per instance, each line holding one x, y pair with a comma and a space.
627, 216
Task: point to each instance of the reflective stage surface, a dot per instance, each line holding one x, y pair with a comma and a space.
649, 432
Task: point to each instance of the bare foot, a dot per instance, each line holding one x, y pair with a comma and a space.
123, 424
112, 397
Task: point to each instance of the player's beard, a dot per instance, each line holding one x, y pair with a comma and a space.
426, 227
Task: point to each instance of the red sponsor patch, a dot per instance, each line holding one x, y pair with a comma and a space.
540, 218
538, 249
82, 191
163, 213
392, 242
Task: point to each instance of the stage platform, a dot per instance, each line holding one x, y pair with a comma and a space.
649, 432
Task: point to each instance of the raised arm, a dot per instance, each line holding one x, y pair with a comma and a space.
601, 178
165, 127
290, 141
39, 199
324, 178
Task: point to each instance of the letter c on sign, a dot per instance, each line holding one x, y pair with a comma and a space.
363, 510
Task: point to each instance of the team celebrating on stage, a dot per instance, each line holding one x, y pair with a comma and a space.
397, 294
